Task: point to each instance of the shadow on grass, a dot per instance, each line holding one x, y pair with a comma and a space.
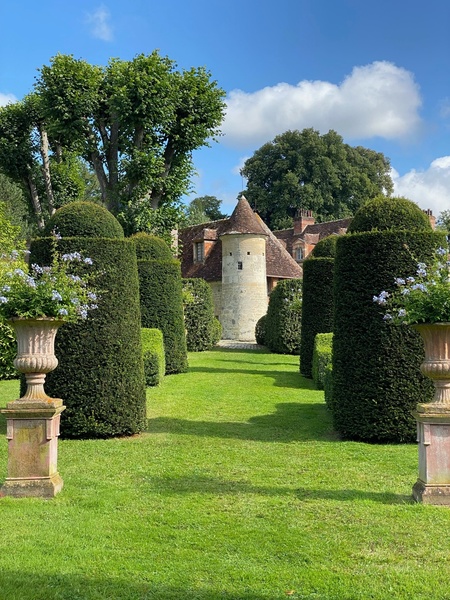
286, 379
30, 586
292, 422
190, 484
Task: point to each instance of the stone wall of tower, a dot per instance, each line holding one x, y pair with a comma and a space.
244, 284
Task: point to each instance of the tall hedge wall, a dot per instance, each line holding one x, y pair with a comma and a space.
162, 308
317, 306
198, 315
100, 375
376, 377
282, 326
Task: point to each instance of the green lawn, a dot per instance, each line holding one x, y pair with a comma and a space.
239, 490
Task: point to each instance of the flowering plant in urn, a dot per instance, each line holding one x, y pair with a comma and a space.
422, 298
49, 291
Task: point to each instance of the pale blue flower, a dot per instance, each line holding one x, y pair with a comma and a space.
3, 300
88, 261
56, 296
63, 312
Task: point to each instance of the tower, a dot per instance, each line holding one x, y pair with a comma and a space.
244, 280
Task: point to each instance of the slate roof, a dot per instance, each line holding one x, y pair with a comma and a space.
279, 263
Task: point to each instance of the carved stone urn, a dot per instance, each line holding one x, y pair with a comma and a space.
433, 418
35, 354
32, 421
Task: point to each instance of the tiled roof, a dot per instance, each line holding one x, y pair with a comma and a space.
312, 233
279, 263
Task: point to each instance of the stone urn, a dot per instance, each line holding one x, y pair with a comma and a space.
35, 354
436, 365
433, 418
32, 421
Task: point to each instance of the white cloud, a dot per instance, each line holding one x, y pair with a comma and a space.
379, 99
7, 99
429, 189
100, 24
236, 170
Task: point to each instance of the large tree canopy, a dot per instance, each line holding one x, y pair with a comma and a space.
134, 123
204, 209
303, 169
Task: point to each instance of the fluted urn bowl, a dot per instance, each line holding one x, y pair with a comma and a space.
35, 352
436, 366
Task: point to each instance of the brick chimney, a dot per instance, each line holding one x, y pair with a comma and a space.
302, 219
432, 218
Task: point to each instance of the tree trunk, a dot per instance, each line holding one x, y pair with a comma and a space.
46, 170
156, 195
36, 203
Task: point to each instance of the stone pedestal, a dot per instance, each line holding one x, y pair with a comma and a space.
32, 433
433, 433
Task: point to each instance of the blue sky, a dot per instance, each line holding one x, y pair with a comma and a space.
376, 72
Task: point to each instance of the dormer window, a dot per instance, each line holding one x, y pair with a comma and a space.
199, 251
298, 254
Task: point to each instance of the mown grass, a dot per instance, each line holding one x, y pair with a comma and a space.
239, 490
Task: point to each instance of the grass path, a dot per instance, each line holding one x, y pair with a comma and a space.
238, 491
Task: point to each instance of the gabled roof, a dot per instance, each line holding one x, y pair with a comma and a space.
279, 263
312, 233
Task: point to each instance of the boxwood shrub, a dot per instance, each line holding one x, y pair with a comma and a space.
199, 320
84, 219
153, 355
8, 351
322, 357
100, 375
376, 377
161, 297
260, 330
283, 319
317, 305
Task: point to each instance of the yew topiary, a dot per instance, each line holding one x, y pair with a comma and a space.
84, 219
388, 214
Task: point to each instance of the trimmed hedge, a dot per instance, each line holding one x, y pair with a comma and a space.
260, 331
326, 247
328, 384
8, 352
84, 219
283, 319
151, 247
100, 375
198, 304
153, 356
387, 214
216, 331
376, 366
322, 357
161, 297
317, 306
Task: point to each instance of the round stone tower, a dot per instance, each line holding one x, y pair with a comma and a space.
244, 279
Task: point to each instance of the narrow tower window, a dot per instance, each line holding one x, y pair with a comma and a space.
199, 252
239, 265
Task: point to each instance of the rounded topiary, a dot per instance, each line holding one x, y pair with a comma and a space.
260, 331
326, 247
376, 381
283, 319
151, 247
100, 375
317, 306
382, 214
198, 314
84, 219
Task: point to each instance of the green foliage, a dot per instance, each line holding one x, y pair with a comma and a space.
16, 208
260, 330
317, 306
84, 219
161, 299
322, 357
303, 169
443, 221
204, 209
159, 221
8, 351
326, 247
283, 319
422, 298
136, 122
376, 367
201, 329
216, 335
153, 356
384, 214
151, 247
100, 374
328, 384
